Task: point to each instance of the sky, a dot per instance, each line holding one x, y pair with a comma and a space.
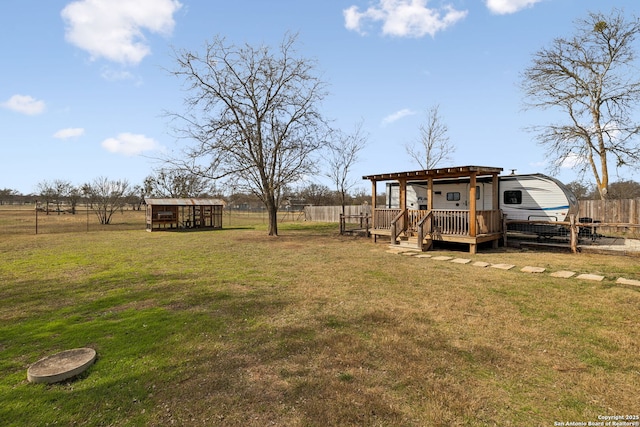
86, 84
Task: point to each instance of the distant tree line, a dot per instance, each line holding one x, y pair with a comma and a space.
104, 196
623, 189
108, 196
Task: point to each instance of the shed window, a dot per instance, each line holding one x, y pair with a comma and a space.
512, 197
453, 196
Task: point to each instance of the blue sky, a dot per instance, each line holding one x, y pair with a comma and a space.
85, 82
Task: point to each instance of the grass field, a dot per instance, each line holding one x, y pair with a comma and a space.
234, 328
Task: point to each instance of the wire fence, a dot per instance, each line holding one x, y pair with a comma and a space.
26, 219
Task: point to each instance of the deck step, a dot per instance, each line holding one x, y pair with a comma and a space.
409, 243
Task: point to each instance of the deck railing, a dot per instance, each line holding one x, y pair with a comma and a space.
442, 221
398, 225
384, 217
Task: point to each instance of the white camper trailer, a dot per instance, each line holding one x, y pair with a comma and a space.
533, 197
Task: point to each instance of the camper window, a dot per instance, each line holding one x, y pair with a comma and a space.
513, 197
453, 196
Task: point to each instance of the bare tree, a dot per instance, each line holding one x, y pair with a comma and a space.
106, 196
580, 189
251, 117
343, 154
169, 182
46, 191
433, 146
591, 77
7, 195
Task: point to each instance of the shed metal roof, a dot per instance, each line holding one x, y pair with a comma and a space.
185, 202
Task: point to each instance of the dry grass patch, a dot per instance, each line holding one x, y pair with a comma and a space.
233, 327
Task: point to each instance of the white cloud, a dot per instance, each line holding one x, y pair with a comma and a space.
130, 144
69, 133
114, 29
572, 161
403, 18
24, 104
504, 7
397, 116
113, 75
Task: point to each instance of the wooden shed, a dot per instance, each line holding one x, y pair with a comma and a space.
183, 213
419, 228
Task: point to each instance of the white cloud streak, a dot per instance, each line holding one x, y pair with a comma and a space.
403, 18
69, 133
397, 116
130, 144
505, 7
24, 104
114, 29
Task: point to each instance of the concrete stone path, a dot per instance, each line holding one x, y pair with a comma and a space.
561, 274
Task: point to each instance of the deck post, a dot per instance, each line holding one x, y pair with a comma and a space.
574, 234
373, 207
472, 206
403, 205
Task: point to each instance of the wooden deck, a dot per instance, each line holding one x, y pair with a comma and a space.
420, 228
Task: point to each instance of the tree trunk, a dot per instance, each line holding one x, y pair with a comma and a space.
272, 209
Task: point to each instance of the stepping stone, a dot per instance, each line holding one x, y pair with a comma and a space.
481, 264
503, 266
61, 366
423, 256
409, 253
397, 251
563, 274
442, 258
623, 281
529, 269
461, 261
593, 277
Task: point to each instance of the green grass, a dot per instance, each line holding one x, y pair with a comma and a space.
232, 327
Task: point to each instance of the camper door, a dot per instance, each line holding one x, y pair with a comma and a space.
455, 196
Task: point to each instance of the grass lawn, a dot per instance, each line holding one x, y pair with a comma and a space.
234, 328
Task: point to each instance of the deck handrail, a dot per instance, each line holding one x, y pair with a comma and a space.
425, 227
395, 230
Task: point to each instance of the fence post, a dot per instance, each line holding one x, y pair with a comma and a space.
574, 234
504, 229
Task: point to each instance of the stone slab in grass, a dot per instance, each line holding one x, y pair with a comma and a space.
410, 253
481, 264
623, 281
424, 256
442, 258
397, 251
503, 266
461, 261
563, 274
529, 269
61, 366
593, 277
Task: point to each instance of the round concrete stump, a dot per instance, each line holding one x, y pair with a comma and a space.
61, 366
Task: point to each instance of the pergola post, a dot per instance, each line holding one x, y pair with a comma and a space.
472, 206
495, 192
430, 194
403, 203
373, 206
497, 219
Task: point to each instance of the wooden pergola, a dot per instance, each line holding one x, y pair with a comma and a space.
420, 228
183, 213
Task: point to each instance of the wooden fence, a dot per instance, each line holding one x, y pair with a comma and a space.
624, 211
332, 213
